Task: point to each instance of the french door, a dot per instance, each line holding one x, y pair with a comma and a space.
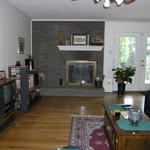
145, 63
133, 49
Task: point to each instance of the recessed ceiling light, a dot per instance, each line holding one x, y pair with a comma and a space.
96, 1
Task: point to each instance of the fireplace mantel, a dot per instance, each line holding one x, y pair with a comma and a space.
80, 48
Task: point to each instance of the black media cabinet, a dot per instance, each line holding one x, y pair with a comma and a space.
7, 102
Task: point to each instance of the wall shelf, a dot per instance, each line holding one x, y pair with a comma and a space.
80, 48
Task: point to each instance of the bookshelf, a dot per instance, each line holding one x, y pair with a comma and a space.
27, 83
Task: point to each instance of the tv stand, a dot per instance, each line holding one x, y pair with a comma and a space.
7, 103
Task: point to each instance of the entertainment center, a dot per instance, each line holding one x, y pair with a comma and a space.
7, 102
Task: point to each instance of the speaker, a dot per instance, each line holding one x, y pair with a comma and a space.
61, 82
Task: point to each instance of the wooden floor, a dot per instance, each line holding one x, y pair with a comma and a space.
47, 125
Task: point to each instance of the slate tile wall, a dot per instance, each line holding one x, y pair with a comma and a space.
50, 60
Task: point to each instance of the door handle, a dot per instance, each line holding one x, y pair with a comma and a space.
142, 65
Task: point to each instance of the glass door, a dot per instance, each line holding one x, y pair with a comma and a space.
127, 53
145, 63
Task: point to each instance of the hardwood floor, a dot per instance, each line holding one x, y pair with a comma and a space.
47, 125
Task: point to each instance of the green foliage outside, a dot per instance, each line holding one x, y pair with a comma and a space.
127, 51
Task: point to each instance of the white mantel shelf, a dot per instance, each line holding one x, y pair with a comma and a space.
80, 48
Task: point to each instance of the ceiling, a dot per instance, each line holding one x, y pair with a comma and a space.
83, 9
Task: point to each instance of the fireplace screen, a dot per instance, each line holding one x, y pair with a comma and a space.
81, 72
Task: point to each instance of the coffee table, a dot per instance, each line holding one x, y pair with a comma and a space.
123, 139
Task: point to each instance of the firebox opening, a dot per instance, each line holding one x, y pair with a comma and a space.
80, 73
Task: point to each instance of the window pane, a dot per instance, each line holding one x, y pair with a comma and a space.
147, 72
127, 51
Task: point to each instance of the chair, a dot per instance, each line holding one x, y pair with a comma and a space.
147, 103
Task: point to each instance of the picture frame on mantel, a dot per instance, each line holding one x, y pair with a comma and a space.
79, 39
21, 45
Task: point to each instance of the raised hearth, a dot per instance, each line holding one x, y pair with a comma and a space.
73, 91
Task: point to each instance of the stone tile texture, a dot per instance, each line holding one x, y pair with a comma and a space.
52, 62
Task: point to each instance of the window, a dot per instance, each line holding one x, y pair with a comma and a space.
127, 51
147, 68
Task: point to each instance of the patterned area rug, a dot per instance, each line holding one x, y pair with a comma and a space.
87, 132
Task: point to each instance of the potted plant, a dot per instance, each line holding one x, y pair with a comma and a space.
123, 75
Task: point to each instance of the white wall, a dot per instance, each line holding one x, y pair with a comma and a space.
112, 27
13, 24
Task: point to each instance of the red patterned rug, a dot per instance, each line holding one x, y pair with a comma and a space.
87, 132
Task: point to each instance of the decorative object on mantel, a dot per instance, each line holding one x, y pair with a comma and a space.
79, 39
99, 81
61, 37
2, 75
97, 40
67, 42
118, 2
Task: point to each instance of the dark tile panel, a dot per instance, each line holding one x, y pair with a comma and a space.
50, 60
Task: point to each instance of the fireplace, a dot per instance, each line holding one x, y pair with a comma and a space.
80, 73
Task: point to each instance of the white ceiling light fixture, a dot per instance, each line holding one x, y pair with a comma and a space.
96, 1
118, 2
107, 3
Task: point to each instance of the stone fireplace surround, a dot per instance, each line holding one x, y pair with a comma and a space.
52, 62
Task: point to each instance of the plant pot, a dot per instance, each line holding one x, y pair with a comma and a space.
121, 88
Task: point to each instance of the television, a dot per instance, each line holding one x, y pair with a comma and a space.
7, 96
147, 103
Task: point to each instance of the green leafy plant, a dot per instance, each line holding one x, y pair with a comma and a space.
123, 74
